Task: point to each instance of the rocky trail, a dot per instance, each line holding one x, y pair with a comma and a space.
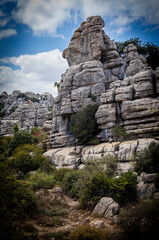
57, 213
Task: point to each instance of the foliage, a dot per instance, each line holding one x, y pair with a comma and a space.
16, 200
22, 95
40, 179
69, 183
16, 129
27, 158
94, 141
96, 181
50, 108
140, 221
148, 160
12, 110
120, 134
83, 124
93, 97
56, 84
87, 232
39, 136
150, 50
20, 138
60, 174
4, 143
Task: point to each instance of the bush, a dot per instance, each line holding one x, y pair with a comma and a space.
16, 200
83, 124
27, 158
93, 182
4, 143
87, 233
93, 97
69, 183
140, 221
60, 174
148, 160
120, 134
20, 138
12, 110
41, 179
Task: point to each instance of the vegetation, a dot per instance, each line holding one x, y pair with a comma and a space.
22, 95
83, 124
56, 84
140, 221
87, 232
16, 200
148, 160
40, 179
20, 138
12, 110
150, 50
27, 158
16, 129
119, 134
93, 97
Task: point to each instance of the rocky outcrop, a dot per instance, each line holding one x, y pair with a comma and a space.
106, 207
146, 187
124, 87
26, 109
124, 152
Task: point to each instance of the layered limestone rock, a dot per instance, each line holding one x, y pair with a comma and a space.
27, 114
124, 152
124, 87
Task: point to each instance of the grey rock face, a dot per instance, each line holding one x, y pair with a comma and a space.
26, 109
106, 207
124, 87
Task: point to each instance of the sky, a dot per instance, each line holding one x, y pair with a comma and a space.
34, 33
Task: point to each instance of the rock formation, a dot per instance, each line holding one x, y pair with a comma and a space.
125, 87
26, 109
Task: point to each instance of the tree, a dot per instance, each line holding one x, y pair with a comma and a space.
83, 124
150, 50
56, 84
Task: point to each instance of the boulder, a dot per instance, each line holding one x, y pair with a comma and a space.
106, 207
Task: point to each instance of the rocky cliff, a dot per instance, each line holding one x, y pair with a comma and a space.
26, 109
125, 87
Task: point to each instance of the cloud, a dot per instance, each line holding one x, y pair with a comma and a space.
46, 16
37, 73
7, 33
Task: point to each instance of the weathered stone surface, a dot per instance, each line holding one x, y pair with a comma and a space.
106, 207
26, 114
127, 150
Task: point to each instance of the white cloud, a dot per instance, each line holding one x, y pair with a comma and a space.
45, 16
37, 73
7, 33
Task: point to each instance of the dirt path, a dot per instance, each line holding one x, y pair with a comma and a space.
59, 213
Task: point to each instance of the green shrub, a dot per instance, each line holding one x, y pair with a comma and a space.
94, 141
93, 97
93, 182
50, 108
148, 160
16, 200
20, 138
69, 183
27, 158
119, 134
83, 124
60, 174
12, 110
87, 232
140, 221
41, 179
4, 143
16, 129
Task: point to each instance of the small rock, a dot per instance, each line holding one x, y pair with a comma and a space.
156, 195
57, 190
97, 223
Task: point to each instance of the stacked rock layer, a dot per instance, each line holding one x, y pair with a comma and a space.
125, 87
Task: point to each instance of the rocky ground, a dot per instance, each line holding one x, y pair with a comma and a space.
59, 213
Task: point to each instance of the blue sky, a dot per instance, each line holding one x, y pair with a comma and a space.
34, 33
